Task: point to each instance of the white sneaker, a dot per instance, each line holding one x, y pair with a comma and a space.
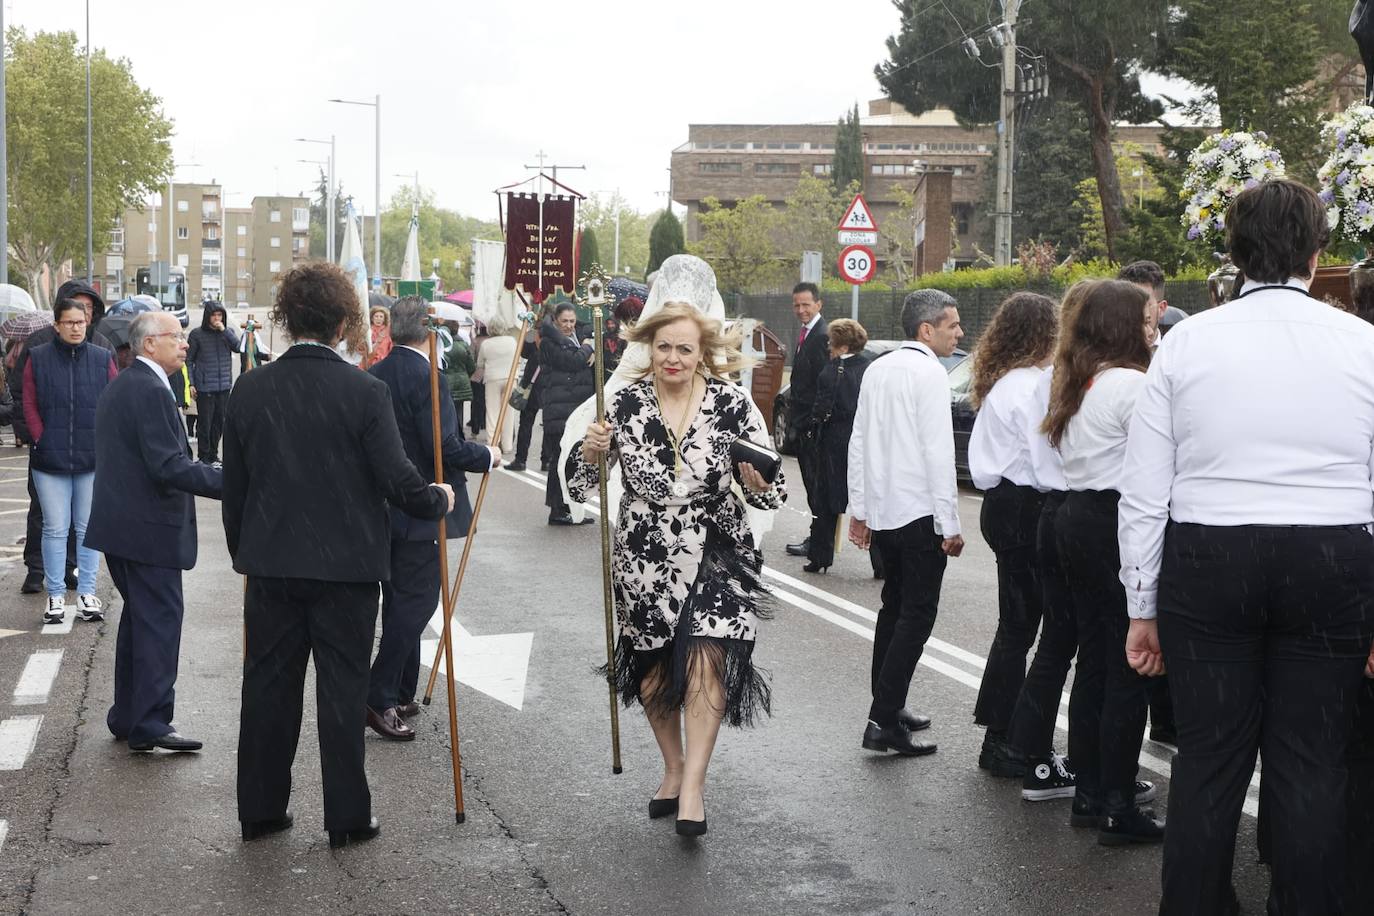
88, 607
57, 609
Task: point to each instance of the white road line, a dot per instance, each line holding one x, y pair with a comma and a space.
35, 683
15, 480
13, 511
13, 499
1147, 760
17, 739
4, 832
63, 628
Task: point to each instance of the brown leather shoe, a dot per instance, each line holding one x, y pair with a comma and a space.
389, 725
408, 710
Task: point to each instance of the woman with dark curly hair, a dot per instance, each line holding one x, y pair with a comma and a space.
1098, 373
312, 457
1012, 353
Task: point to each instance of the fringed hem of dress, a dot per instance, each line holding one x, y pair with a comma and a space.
669, 671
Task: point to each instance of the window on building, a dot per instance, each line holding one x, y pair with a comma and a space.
242, 252
739, 146
212, 232
963, 215
893, 168
242, 230
183, 206
903, 147
274, 242
117, 240
210, 263
772, 145
722, 168
183, 260
274, 266
776, 168
791, 146
821, 169
300, 218
209, 209
183, 232
884, 147
274, 216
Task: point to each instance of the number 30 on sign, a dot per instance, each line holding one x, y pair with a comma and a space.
857, 264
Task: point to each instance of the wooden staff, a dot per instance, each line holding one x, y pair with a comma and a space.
607, 593
458, 812
451, 597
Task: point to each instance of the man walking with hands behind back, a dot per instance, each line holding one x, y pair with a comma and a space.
904, 501
143, 518
813, 352
312, 456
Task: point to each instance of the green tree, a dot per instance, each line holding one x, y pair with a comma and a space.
847, 165
46, 122
588, 251
445, 235
1094, 51
808, 219
319, 205
599, 213
665, 240
738, 242
1053, 159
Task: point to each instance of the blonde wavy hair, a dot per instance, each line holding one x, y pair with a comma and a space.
721, 356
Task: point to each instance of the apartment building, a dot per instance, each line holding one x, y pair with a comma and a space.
912, 152
229, 254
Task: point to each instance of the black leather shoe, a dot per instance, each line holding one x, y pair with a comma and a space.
168, 742
1129, 825
516, 466
913, 721
408, 710
662, 807
341, 838
253, 830
896, 738
561, 518
800, 550
33, 582
1086, 811
999, 759
389, 724
70, 581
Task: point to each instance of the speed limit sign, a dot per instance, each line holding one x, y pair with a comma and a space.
857, 264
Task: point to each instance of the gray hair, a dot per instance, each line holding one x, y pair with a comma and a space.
408, 317
145, 325
924, 306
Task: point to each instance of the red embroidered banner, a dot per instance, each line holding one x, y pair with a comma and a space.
540, 261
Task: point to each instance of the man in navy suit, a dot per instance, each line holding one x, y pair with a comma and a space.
411, 595
143, 518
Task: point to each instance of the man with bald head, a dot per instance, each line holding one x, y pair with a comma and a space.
143, 518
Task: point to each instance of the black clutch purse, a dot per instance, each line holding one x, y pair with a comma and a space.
766, 461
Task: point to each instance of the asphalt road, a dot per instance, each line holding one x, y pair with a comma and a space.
802, 820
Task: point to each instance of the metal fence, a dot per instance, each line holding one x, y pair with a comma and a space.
881, 312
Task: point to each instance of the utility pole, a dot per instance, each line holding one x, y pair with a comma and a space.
4, 165
1006, 134
90, 221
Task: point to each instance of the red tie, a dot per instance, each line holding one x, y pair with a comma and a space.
801, 338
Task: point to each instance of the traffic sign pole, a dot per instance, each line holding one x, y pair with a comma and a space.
854, 303
858, 230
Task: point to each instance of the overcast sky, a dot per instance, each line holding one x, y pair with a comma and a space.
471, 91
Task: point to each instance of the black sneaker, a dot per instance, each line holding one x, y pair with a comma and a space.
1145, 791
1133, 825
1048, 778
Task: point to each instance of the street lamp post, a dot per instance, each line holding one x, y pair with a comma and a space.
4, 165
1140, 173
330, 198
90, 207
377, 218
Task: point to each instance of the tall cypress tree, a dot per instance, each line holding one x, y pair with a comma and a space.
847, 165
589, 252
665, 240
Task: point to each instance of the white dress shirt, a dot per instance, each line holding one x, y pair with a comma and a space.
901, 452
157, 370
1094, 442
1259, 412
999, 449
1047, 466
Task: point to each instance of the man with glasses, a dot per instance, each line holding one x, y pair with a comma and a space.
33, 540
143, 518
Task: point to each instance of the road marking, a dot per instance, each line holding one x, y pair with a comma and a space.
4, 832
35, 683
5, 634
17, 739
63, 628
13, 499
495, 665
14, 511
15, 480
1147, 760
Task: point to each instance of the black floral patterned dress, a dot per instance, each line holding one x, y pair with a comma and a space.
685, 569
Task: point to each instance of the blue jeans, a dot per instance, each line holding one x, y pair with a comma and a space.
66, 502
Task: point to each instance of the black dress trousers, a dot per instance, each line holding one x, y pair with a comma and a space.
1032, 721
1265, 633
286, 622
915, 567
1108, 728
147, 648
409, 598
1010, 519
1360, 802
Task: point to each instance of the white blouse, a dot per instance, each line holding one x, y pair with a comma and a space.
1094, 443
999, 448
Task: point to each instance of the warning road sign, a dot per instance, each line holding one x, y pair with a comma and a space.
858, 218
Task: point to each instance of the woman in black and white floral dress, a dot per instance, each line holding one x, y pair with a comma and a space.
685, 565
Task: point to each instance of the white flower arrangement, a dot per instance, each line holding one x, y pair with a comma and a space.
1347, 176
1220, 168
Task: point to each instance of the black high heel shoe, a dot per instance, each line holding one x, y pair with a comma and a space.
662, 807
815, 568
692, 828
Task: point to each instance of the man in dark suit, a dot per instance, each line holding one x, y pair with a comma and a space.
411, 595
813, 352
312, 455
143, 518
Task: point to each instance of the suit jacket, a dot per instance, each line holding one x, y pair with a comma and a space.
811, 358
142, 507
406, 374
312, 455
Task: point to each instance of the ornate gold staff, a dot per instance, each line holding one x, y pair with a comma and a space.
594, 281
438, 440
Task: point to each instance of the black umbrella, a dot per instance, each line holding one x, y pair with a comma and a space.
116, 329
376, 299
